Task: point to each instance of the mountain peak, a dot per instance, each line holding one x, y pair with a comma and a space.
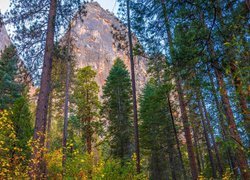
96, 46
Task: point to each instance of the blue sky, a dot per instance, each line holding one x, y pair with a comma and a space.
106, 4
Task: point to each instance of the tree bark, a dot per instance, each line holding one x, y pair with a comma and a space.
196, 145
88, 136
66, 112
208, 144
186, 125
38, 169
240, 154
49, 120
210, 130
188, 136
177, 140
171, 161
136, 133
241, 96
224, 132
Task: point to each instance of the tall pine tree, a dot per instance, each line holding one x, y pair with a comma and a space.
87, 103
10, 90
117, 110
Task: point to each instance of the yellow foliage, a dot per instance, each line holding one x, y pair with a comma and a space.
10, 161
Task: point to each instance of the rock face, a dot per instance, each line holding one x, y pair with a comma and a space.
94, 44
4, 38
23, 76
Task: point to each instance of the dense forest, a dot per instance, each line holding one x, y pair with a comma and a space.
191, 120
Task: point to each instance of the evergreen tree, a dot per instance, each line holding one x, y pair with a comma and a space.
10, 90
36, 41
22, 121
157, 134
117, 109
124, 11
87, 104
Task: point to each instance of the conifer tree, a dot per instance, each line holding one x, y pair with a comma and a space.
36, 41
117, 110
22, 121
87, 104
157, 135
10, 90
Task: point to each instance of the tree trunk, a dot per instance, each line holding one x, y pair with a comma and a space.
210, 130
171, 162
88, 136
208, 144
66, 111
196, 145
240, 154
241, 96
177, 140
136, 133
49, 120
38, 169
224, 132
186, 125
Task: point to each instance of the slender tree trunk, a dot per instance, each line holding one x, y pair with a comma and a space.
224, 133
88, 136
196, 145
187, 131
232, 162
208, 144
218, 105
236, 78
241, 158
136, 133
177, 139
171, 161
241, 96
38, 169
186, 125
210, 130
240, 154
49, 120
66, 112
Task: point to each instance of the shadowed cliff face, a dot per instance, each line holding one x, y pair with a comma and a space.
94, 45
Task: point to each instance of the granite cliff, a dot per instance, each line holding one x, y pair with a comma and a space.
95, 45
4, 38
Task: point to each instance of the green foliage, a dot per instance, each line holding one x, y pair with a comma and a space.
85, 97
57, 95
86, 93
10, 154
21, 118
9, 88
78, 165
117, 109
157, 138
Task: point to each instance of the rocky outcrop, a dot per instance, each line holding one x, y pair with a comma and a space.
4, 38
95, 45
22, 76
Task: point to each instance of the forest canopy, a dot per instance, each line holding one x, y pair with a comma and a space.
159, 92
